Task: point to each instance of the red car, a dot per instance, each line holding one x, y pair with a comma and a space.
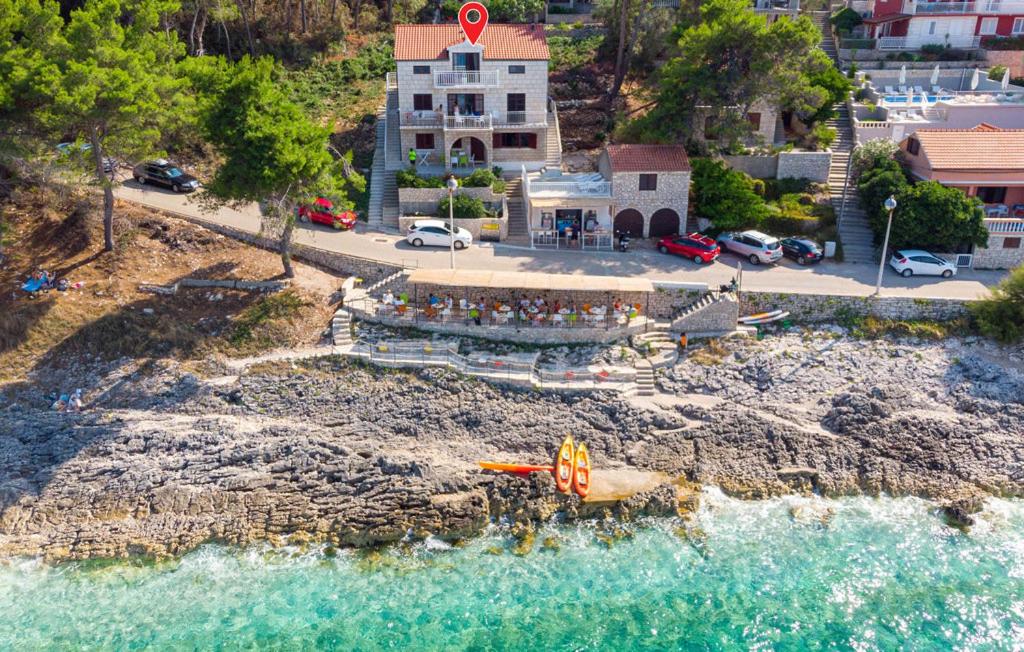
322, 212
698, 248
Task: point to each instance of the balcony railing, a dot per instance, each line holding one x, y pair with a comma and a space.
421, 119
979, 7
467, 122
571, 188
1004, 225
391, 81
521, 119
466, 78
916, 42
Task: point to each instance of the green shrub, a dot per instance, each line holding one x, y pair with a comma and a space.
785, 223
407, 178
481, 178
823, 136
759, 187
466, 208
1003, 42
1002, 315
776, 188
725, 196
996, 73
846, 19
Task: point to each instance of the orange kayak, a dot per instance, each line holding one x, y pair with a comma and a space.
564, 465
581, 479
518, 469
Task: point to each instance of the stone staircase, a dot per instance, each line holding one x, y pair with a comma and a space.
377, 174
854, 231
644, 378
553, 152
664, 348
516, 210
715, 312
341, 328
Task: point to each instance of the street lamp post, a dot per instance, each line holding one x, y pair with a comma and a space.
890, 205
452, 185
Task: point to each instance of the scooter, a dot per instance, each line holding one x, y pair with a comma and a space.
623, 243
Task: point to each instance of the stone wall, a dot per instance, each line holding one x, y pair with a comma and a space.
1012, 59
365, 268
997, 255
759, 167
475, 227
527, 334
804, 165
816, 308
720, 316
665, 301
785, 165
673, 192
424, 201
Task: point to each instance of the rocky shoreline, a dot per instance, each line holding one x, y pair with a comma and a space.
355, 456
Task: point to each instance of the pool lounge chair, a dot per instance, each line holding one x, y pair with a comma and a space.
919, 89
937, 90
889, 90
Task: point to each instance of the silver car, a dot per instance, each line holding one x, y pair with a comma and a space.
755, 246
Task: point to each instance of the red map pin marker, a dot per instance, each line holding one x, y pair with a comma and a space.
473, 30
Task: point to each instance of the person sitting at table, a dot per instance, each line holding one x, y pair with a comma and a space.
449, 302
617, 305
524, 302
573, 314
522, 314
557, 307
538, 302
388, 299
433, 300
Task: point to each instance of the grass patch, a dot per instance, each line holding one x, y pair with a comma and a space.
257, 324
873, 328
711, 354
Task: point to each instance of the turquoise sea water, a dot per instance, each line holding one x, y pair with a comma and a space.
877, 575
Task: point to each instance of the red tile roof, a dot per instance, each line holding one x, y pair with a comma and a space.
648, 158
980, 148
501, 42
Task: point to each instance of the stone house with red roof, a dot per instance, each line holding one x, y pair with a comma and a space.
639, 190
462, 105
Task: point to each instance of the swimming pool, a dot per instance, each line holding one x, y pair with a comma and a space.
902, 99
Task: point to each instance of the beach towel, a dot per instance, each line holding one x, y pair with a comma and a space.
34, 284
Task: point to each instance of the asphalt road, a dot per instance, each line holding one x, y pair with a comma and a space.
825, 278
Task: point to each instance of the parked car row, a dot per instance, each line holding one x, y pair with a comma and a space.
755, 246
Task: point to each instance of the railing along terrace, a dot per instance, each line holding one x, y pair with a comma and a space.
586, 188
1004, 225
466, 78
917, 42
982, 7
521, 118
467, 122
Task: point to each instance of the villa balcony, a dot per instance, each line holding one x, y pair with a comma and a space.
967, 42
587, 186
466, 79
954, 8
523, 119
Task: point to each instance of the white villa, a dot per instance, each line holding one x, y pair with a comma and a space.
898, 103
461, 106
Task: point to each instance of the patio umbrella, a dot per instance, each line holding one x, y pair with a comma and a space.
974, 80
935, 75
903, 75
1005, 83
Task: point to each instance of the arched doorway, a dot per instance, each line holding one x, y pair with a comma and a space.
468, 152
630, 222
665, 221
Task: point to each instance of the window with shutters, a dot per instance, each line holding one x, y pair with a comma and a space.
1011, 243
648, 182
755, 120
424, 141
422, 102
913, 146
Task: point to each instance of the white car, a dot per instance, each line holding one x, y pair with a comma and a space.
435, 233
908, 262
755, 246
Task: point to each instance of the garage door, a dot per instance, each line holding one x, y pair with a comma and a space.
664, 222
630, 222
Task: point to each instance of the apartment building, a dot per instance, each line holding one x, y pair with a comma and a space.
462, 105
911, 24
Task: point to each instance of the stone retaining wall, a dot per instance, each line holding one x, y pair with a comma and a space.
365, 268
424, 201
784, 165
816, 308
1012, 59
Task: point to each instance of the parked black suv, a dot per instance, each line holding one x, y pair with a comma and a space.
163, 173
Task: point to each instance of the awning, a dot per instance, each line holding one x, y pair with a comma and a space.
891, 18
528, 281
